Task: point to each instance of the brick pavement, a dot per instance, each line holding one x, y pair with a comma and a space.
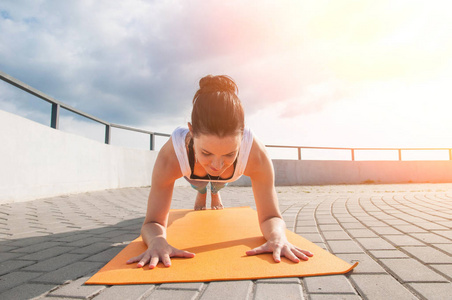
400, 234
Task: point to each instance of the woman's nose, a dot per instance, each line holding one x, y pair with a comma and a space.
217, 163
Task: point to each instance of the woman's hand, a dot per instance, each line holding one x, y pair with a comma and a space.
159, 250
281, 248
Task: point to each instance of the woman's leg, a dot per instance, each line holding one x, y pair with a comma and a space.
215, 202
200, 202
201, 187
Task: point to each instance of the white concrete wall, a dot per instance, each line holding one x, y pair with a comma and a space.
37, 161
312, 172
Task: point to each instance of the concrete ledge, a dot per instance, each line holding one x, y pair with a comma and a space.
38, 161
321, 172
294, 172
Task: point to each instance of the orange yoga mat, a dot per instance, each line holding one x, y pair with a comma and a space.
219, 238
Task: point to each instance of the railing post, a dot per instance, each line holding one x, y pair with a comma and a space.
152, 141
107, 134
400, 154
54, 121
450, 154
299, 153
353, 154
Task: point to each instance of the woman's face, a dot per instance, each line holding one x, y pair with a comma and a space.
216, 154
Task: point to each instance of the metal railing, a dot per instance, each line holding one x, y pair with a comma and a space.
352, 150
56, 105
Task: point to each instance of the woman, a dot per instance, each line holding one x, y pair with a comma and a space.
216, 148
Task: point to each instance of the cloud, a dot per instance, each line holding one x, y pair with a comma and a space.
138, 63
128, 60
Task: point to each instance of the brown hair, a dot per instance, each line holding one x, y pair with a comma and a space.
216, 108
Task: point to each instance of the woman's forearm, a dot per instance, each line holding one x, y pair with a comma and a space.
151, 230
273, 228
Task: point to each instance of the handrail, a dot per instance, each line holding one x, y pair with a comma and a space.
56, 105
354, 149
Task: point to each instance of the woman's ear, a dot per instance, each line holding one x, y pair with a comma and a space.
190, 127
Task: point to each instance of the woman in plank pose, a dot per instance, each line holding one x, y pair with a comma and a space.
216, 148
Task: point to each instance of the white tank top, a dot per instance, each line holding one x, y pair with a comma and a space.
178, 139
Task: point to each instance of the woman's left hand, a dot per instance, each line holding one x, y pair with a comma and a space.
281, 248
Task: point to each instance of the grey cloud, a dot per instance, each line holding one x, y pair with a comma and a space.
126, 63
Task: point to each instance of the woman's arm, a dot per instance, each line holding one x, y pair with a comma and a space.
153, 231
260, 170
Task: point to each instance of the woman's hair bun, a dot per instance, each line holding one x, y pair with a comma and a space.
219, 83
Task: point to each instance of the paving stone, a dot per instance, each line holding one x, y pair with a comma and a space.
328, 284
386, 230
120, 292
279, 280
443, 268
13, 279
105, 256
334, 297
119, 213
304, 229
330, 227
366, 263
69, 272
8, 256
429, 255
335, 235
46, 253
227, 290
409, 229
127, 237
431, 238
77, 289
278, 291
85, 242
344, 247
403, 240
196, 286
93, 248
374, 244
362, 233
11, 265
433, 290
173, 294
306, 223
353, 225
410, 270
313, 237
36, 247
381, 286
27, 291
444, 247
431, 226
388, 254
446, 234
54, 263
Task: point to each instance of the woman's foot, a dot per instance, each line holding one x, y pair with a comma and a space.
200, 203
216, 201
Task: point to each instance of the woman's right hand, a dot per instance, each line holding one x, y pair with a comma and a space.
159, 250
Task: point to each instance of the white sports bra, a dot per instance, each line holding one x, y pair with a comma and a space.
178, 139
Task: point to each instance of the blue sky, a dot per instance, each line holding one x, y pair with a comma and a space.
312, 73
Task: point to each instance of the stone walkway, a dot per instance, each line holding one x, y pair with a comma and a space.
400, 234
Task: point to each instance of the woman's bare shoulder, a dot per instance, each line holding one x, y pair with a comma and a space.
258, 158
167, 164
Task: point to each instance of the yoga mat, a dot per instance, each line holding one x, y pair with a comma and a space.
219, 238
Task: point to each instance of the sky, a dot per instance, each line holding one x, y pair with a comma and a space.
310, 73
